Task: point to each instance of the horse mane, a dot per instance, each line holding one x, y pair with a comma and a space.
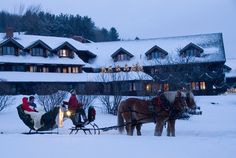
191, 95
171, 95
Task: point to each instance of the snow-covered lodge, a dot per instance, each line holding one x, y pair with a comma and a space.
29, 63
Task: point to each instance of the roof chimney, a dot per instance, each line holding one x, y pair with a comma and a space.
9, 32
80, 39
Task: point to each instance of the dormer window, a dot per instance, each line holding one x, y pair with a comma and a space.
191, 50
66, 50
37, 52
156, 53
39, 48
64, 53
8, 50
10, 47
121, 55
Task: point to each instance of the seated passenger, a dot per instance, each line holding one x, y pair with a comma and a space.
34, 114
31, 102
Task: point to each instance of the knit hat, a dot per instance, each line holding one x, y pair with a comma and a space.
72, 91
31, 97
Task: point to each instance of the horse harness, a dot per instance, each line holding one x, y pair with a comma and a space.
165, 106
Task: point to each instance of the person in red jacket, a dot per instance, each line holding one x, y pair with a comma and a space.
76, 108
34, 114
26, 106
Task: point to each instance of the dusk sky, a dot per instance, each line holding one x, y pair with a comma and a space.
149, 18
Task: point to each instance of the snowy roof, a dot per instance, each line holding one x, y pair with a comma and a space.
69, 77
232, 64
52, 42
212, 45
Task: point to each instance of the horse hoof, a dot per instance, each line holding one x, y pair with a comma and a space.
157, 134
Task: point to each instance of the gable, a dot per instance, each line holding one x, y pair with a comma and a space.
156, 52
191, 50
121, 51
66, 45
39, 44
11, 42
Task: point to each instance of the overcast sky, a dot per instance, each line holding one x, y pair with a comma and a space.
149, 18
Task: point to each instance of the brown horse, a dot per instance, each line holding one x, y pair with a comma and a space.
191, 105
133, 112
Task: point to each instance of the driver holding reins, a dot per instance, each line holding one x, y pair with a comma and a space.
75, 108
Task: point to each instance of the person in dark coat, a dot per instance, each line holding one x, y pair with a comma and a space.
31, 102
76, 107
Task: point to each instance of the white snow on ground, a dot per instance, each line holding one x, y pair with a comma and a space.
212, 134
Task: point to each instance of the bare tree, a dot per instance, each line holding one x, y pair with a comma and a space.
174, 69
86, 100
52, 100
5, 99
111, 102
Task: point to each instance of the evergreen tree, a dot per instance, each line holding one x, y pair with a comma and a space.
113, 34
37, 22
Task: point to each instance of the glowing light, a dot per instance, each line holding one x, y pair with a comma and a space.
68, 113
148, 87
60, 118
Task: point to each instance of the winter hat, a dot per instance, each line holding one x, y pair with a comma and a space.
31, 97
25, 100
72, 91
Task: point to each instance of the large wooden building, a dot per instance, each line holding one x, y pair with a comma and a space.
28, 62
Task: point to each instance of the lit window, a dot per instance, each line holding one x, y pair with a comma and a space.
202, 85
58, 69
122, 57
134, 87
75, 70
69, 69
64, 70
8, 51
148, 87
195, 85
45, 69
64, 53
166, 87
33, 68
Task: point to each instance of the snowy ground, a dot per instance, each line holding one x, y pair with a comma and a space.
211, 135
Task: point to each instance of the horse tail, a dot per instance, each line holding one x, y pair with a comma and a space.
120, 119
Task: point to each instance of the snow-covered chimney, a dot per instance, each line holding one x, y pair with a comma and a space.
80, 39
9, 32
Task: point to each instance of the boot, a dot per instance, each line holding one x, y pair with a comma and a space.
85, 119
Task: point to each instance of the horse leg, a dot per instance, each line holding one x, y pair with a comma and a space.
129, 129
173, 128
138, 128
168, 127
159, 128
